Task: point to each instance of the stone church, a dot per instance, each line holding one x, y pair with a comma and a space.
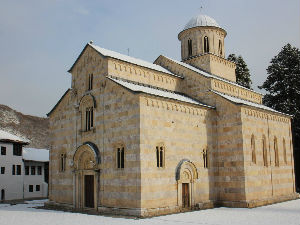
138, 138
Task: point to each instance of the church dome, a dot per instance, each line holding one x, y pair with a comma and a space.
201, 21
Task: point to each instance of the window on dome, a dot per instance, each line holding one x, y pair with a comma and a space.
190, 51
220, 48
206, 45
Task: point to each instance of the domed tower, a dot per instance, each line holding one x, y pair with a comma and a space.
202, 46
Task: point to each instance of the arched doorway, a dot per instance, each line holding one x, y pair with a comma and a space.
86, 162
186, 174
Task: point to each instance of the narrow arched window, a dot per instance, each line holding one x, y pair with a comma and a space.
284, 151
276, 152
253, 149
89, 118
160, 152
264, 148
90, 82
2, 195
62, 166
220, 48
120, 157
205, 158
190, 49
206, 45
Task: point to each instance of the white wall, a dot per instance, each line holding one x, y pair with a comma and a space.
12, 184
35, 180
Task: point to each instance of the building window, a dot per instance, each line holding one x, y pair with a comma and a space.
2, 170
37, 187
220, 48
62, 162
265, 153
89, 118
32, 170
2, 195
18, 169
190, 49
39, 171
30, 188
205, 158
90, 81
3, 150
276, 152
253, 149
120, 158
160, 151
13, 169
17, 149
284, 151
26, 170
206, 45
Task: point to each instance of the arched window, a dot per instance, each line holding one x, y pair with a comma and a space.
220, 48
206, 45
205, 158
2, 195
120, 157
190, 49
284, 151
160, 152
253, 149
86, 107
90, 78
265, 154
89, 118
276, 152
62, 164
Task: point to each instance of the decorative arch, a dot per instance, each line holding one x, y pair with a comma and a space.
186, 167
186, 174
87, 100
87, 156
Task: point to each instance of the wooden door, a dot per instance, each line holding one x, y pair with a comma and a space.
185, 195
89, 191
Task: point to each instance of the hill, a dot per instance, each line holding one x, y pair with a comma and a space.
31, 127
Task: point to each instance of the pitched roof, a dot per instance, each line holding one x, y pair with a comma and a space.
67, 91
248, 103
206, 74
35, 154
137, 87
108, 53
8, 137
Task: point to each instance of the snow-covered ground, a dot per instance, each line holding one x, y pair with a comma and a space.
278, 214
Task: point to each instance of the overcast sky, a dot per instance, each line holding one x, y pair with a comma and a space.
40, 40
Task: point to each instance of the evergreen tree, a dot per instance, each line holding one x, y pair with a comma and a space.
241, 71
283, 92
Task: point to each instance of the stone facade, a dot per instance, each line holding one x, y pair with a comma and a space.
143, 139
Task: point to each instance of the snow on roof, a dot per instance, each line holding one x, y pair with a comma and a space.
158, 92
35, 154
206, 74
5, 136
244, 102
200, 21
116, 55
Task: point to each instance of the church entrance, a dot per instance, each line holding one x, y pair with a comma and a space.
86, 162
185, 195
89, 191
186, 176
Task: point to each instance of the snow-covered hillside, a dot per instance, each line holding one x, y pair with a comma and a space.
32, 128
277, 214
